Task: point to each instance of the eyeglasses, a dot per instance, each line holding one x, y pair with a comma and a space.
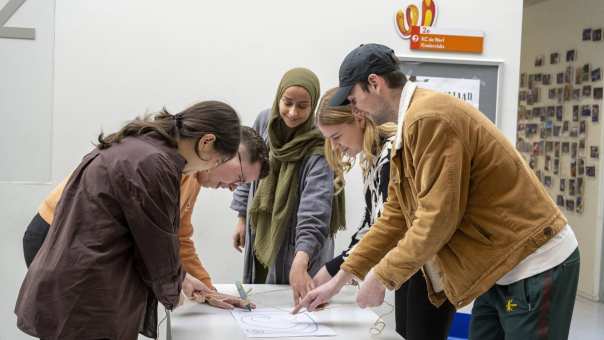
242, 177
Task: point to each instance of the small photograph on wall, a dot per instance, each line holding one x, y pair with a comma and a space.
580, 186
582, 145
594, 152
571, 55
582, 128
546, 79
586, 111
572, 189
554, 58
595, 113
597, 93
560, 78
586, 34
549, 147
584, 76
576, 94
568, 75
523, 80
596, 35
565, 147
551, 111
564, 94
536, 94
531, 130
560, 201
590, 171
575, 113
539, 60
559, 112
573, 169
579, 205
578, 75
574, 131
547, 181
552, 93
556, 166
581, 168
557, 130
573, 150
557, 149
538, 77
562, 184
596, 75
565, 126
522, 96
570, 205
587, 91
536, 149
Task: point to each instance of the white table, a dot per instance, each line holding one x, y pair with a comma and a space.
194, 321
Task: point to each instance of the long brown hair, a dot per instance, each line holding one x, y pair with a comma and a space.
196, 121
373, 137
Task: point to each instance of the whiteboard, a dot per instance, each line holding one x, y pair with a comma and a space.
488, 72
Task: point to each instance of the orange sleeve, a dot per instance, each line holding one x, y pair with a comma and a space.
48, 206
189, 189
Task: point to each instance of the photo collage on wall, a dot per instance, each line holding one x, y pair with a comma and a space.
559, 104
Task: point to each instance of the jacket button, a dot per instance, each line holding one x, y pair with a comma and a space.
548, 231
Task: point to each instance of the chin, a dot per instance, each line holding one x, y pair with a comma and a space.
291, 124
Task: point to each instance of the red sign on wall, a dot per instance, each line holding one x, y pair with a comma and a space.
446, 40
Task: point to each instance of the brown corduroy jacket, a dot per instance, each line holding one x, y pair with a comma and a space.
189, 190
460, 195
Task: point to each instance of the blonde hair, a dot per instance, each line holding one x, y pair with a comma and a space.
372, 138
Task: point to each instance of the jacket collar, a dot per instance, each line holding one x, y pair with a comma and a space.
406, 95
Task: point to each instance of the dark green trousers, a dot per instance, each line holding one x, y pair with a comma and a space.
537, 308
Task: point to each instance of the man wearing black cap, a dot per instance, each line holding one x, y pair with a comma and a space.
463, 207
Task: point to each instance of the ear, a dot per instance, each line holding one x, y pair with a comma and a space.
373, 80
206, 141
359, 118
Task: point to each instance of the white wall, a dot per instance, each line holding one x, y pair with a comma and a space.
556, 26
116, 59
26, 95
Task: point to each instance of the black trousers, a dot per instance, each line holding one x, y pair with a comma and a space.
34, 237
416, 317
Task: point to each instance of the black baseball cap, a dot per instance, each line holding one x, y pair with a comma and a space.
359, 64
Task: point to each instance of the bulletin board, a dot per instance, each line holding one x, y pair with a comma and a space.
488, 73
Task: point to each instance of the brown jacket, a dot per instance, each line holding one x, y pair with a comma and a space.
459, 194
189, 189
112, 250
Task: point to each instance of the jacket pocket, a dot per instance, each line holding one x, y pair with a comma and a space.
477, 233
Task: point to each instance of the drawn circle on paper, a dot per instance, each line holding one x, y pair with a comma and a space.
267, 323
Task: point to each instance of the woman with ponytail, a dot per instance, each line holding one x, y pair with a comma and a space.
112, 251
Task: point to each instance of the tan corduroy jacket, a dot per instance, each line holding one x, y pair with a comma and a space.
189, 189
460, 195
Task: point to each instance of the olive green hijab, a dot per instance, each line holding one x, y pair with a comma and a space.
276, 198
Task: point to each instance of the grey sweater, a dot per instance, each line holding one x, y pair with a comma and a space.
307, 230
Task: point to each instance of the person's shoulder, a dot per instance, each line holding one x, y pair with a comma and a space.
143, 153
261, 121
432, 104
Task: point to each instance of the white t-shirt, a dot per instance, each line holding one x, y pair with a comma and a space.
546, 257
